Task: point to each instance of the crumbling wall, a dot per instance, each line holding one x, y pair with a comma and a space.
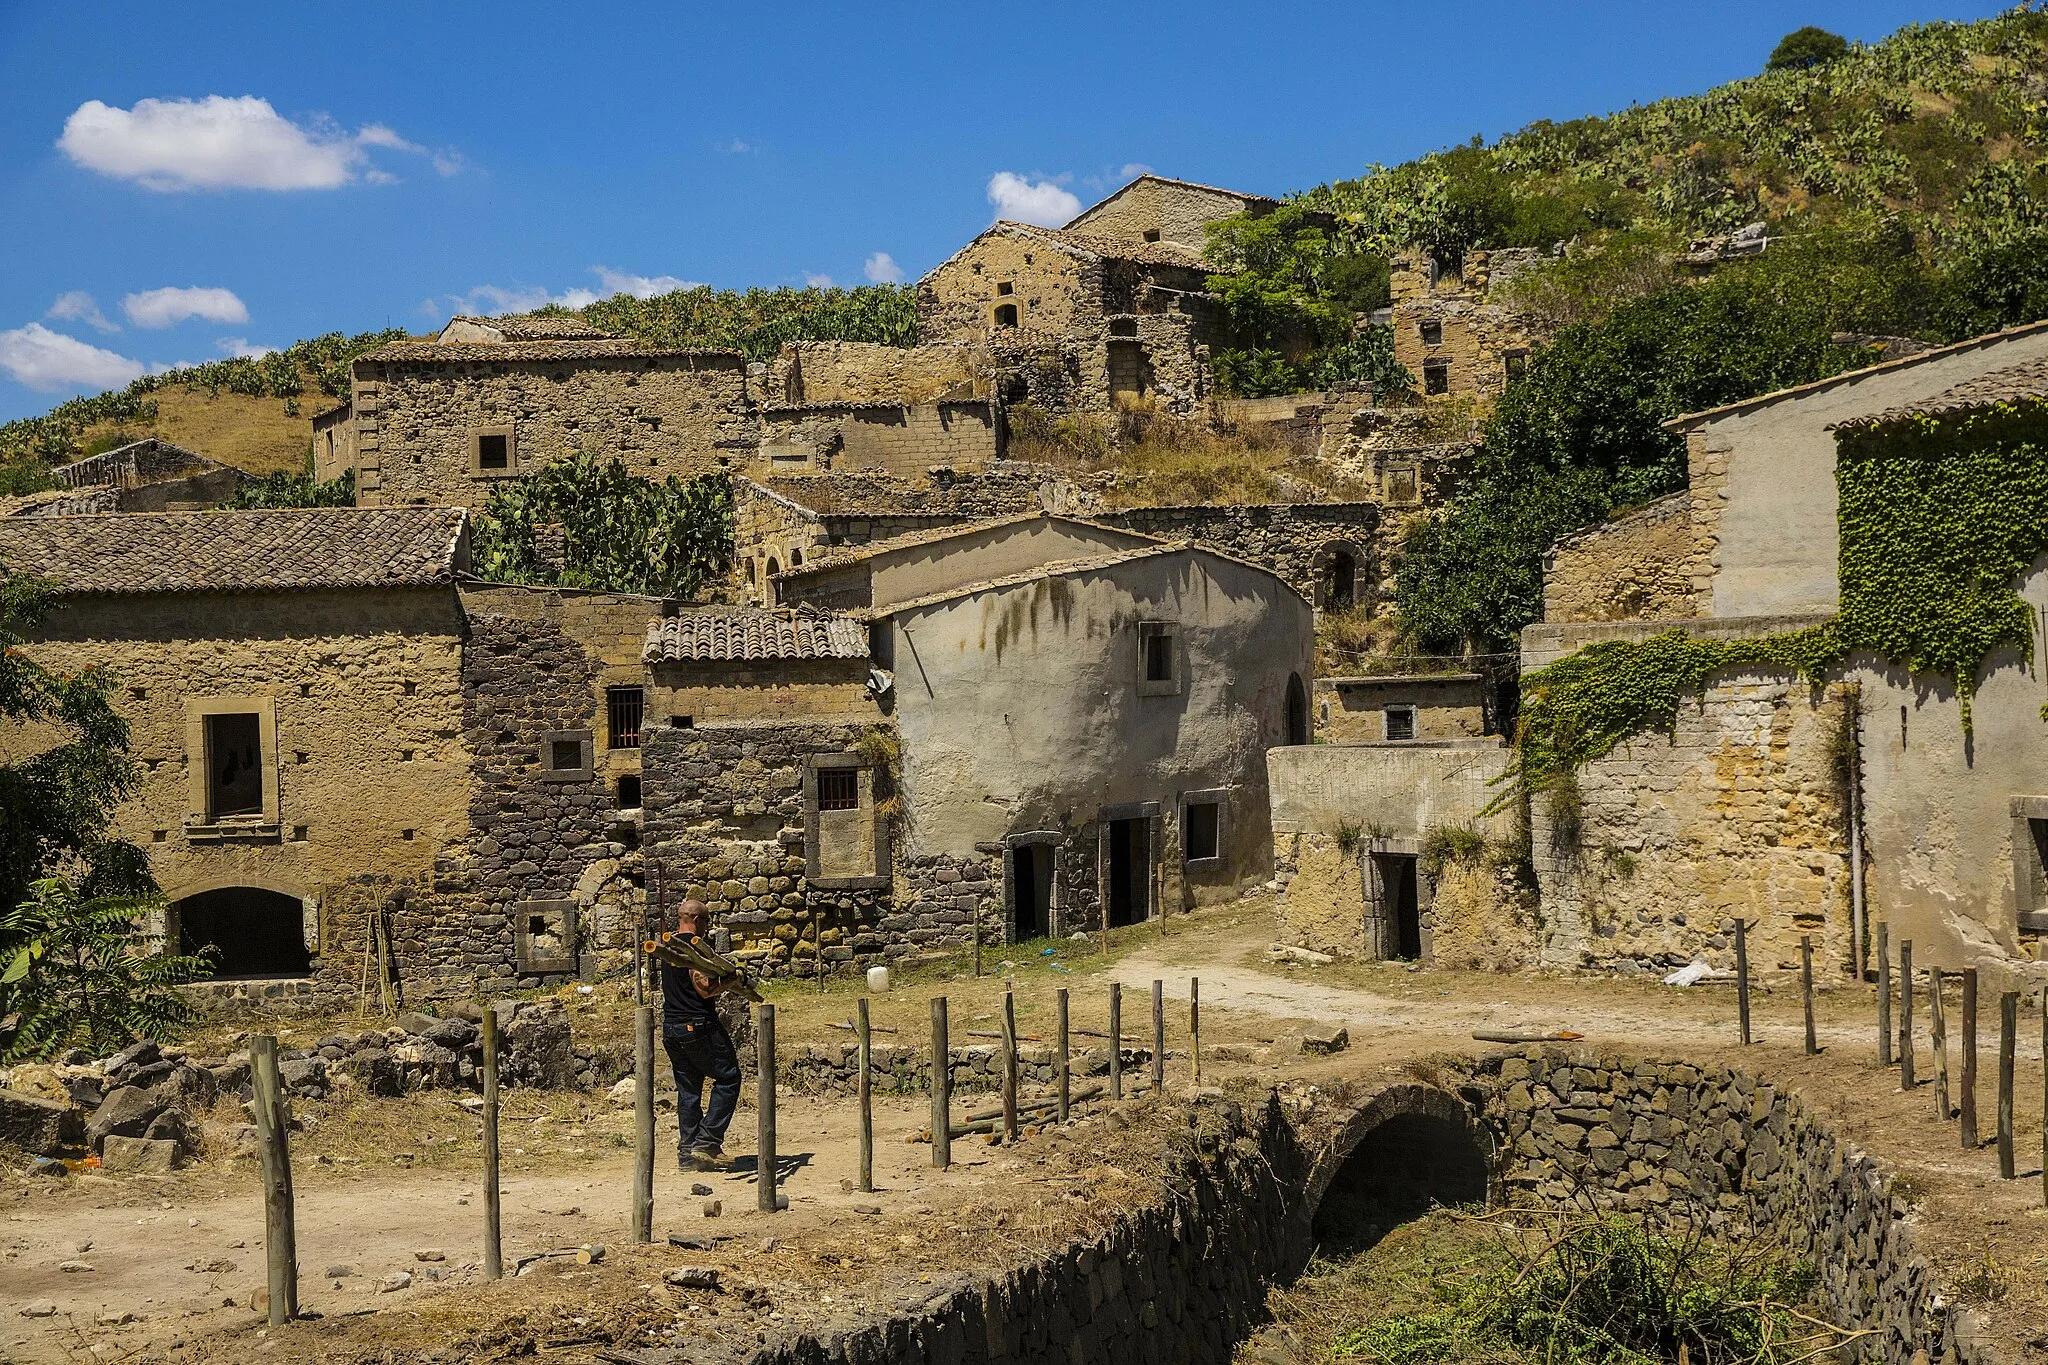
869, 372
905, 440
1293, 540
1647, 565
1477, 336
1058, 292
1176, 212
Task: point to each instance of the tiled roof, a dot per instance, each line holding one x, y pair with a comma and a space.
2014, 383
517, 350
539, 329
732, 634
263, 551
841, 556
1121, 249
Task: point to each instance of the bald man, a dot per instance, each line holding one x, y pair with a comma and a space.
699, 1049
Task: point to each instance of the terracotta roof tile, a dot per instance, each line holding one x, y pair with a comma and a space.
732, 634
539, 329
2014, 383
261, 551
434, 352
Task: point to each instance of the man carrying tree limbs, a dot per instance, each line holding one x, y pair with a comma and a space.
698, 1046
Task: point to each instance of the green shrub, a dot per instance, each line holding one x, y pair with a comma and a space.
1807, 47
616, 531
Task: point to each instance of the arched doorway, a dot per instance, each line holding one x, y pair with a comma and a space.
1417, 1147
1297, 710
1340, 579
254, 932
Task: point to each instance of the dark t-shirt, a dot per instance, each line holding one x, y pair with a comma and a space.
683, 1010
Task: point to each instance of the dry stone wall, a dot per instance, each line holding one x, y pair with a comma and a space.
1294, 540
906, 440
1645, 566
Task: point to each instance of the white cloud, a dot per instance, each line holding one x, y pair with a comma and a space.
1022, 200
79, 306
738, 146
812, 281
42, 359
238, 348
1133, 169
881, 268
639, 286
224, 143
170, 306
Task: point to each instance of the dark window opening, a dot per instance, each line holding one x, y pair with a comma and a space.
1297, 710
1006, 287
1436, 376
629, 791
253, 932
1151, 234
1006, 315
1130, 882
1159, 657
624, 707
774, 566
536, 926
1517, 365
1400, 905
1203, 836
682, 722
796, 559
493, 451
234, 765
1432, 332
1031, 880
565, 755
838, 789
1341, 590
1400, 722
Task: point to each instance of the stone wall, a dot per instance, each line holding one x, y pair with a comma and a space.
868, 372
1294, 540
662, 413
1735, 812
1354, 710
1477, 336
905, 440
1175, 211
1058, 292
1646, 565
1677, 1136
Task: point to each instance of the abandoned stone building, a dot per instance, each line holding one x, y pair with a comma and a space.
1448, 330
1739, 809
1077, 322
142, 476
1155, 208
1405, 706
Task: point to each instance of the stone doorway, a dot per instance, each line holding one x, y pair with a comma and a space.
251, 932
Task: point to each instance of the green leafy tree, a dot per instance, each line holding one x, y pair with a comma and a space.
587, 522
1805, 48
85, 972
297, 490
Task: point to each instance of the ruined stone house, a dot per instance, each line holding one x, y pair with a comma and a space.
1449, 332
1742, 809
149, 475
1156, 208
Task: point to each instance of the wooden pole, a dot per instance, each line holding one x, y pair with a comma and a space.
1806, 990
1061, 1060
643, 1124
1195, 1025
1742, 977
1009, 1067
1884, 994
1906, 1077
1969, 1108
383, 937
764, 1105
942, 1088
1116, 1040
1158, 1035
977, 941
2044, 1096
2008, 1035
494, 1255
1937, 1029
280, 1236
867, 1100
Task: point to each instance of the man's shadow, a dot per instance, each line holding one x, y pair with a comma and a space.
787, 1164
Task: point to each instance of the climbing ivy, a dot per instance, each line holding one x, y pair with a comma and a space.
1938, 515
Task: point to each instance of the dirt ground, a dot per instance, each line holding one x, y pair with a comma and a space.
381, 1184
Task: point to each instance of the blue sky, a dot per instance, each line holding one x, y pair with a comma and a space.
182, 182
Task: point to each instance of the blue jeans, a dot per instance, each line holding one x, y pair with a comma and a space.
703, 1053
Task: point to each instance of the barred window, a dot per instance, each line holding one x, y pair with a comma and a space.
838, 789
624, 706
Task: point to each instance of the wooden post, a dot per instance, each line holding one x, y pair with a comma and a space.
280, 1236
1906, 1077
1116, 1040
1969, 1109
942, 1088
382, 935
2044, 1096
867, 1099
764, 1105
1061, 1061
1937, 1032
1009, 1067
1884, 995
643, 1124
2008, 1036
1195, 1025
1742, 977
1806, 989
1158, 1035
494, 1256
977, 940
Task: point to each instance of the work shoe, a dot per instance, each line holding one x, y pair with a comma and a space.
709, 1159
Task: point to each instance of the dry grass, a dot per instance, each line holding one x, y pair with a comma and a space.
253, 434
1155, 460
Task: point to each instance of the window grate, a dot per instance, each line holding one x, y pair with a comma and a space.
1400, 722
838, 789
624, 708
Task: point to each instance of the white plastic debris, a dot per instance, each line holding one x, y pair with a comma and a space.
1692, 973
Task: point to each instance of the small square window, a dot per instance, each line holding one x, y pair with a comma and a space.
1517, 364
493, 452
1436, 376
1006, 315
565, 755
624, 707
838, 789
629, 791
1152, 234
1006, 288
1202, 838
1432, 332
1400, 722
1158, 670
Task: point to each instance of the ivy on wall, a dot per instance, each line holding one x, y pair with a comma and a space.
1939, 515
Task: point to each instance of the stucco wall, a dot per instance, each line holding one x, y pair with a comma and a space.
886, 577
662, 414
1020, 711
1354, 710
1405, 789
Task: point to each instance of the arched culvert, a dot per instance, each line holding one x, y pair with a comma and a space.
1412, 1148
